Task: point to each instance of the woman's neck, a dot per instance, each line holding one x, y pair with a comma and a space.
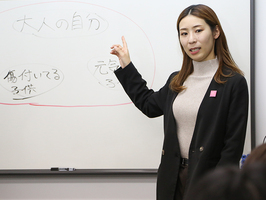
205, 68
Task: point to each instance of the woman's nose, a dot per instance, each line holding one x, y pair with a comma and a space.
192, 38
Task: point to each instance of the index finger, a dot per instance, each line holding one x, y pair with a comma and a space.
124, 42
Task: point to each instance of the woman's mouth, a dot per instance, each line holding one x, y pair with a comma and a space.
194, 50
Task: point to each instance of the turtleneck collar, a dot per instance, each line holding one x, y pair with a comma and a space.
205, 68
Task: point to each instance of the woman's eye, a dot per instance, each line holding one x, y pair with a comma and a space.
198, 31
183, 34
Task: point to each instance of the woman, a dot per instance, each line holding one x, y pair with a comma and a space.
205, 104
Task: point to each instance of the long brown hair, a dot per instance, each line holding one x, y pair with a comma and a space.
221, 49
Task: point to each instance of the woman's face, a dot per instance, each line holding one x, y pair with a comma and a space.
197, 38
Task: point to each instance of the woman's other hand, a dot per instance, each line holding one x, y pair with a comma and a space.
121, 52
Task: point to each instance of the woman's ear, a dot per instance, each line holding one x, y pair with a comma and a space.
216, 32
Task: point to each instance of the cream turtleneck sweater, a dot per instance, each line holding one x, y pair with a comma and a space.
187, 102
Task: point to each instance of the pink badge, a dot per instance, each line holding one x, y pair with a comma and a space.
213, 93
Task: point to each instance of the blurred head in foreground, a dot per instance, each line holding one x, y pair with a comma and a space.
231, 183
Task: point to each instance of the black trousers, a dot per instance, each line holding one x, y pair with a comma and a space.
181, 182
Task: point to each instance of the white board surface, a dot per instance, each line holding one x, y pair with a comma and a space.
60, 102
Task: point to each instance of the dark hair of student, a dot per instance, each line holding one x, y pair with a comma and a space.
231, 183
257, 155
221, 49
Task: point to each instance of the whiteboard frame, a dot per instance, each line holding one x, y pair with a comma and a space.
252, 73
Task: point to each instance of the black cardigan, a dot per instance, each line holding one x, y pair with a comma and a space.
220, 129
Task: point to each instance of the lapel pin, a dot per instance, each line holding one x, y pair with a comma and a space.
213, 93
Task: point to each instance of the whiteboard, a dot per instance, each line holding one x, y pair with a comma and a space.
61, 103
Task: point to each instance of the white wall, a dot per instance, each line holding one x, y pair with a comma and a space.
130, 187
77, 188
260, 71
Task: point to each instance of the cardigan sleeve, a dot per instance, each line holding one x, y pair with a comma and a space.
151, 103
236, 122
